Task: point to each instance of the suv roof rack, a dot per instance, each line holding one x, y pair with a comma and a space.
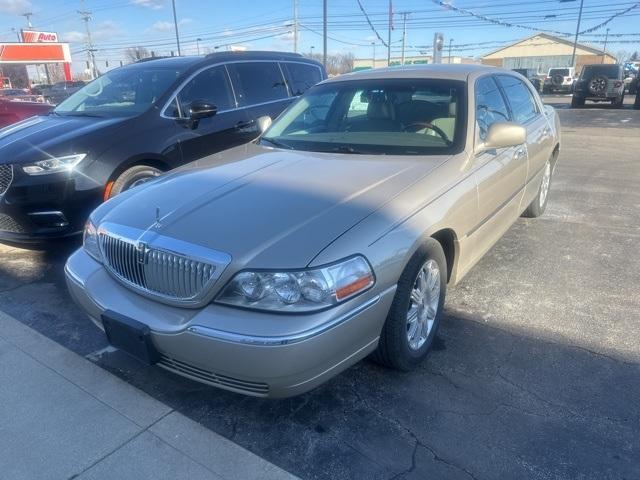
148, 59
266, 53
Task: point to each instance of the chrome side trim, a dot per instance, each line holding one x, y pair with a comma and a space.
286, 339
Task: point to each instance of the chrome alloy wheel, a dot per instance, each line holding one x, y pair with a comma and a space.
423, 304
544, 187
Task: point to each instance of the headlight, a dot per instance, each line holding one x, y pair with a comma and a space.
299, 290
90, 241
54, 164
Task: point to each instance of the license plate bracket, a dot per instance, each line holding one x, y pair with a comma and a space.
130, 336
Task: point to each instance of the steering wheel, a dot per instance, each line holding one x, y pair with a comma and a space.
414, 127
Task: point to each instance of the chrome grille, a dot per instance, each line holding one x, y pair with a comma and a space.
160, 273
6, 177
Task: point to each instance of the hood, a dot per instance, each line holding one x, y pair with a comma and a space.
267, 207
36, 137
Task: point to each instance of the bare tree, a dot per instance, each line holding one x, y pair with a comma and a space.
336, 64
133, 54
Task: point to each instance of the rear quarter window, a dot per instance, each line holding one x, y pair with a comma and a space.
301, 76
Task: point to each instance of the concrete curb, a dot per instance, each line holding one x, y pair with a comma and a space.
64, 417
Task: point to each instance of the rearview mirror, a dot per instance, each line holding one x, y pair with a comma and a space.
503, 135
263, 123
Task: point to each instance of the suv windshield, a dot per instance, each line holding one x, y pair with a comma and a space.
609, 71
121, 92
396, 117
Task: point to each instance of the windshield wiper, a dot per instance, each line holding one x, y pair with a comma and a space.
82, 114
277, 143
347, 149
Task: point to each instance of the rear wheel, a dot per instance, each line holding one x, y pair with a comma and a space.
132, 177
539, 203
414, 317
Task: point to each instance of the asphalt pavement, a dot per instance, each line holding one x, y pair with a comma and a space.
535, 372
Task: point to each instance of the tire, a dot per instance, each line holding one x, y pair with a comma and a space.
618, 102
132, 177
577, 102
598, 85
539, 203
394, 349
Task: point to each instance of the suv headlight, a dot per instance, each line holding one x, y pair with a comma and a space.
299, 290
90, 241
54, 164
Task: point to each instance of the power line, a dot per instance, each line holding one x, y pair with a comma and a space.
371, 24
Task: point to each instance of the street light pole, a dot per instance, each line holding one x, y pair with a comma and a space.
373, 57
450, 42
575, 41
404, 34
389, 34
324, 33
604, 53
198, 40
295, 26
175, 24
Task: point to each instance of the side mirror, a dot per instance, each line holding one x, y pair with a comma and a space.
503, 135
199, 109
263, 123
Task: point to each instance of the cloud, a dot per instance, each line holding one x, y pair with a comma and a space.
168, 26
106, 30
15, 7
152, 4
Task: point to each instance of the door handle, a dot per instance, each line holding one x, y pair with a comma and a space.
520, 154
245, 124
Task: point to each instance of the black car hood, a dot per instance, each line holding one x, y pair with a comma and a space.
38, 137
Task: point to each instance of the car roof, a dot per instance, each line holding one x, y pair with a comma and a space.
436, 70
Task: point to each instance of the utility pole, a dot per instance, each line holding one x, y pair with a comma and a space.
389, 33
86, 16
28, 16
575, 41
604, 53
175, 24
198, 40
295, 26
373, 56
450, 42
311, 51
324, 33
404, 34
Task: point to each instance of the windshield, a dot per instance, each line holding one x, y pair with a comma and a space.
399, 117
121, 92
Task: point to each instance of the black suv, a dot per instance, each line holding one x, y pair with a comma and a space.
599, 83
132, 124
533, 76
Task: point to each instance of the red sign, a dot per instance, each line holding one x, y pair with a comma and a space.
34, 53
31, 36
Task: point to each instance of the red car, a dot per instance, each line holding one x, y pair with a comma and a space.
14, 111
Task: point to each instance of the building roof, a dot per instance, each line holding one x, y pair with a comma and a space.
552, 38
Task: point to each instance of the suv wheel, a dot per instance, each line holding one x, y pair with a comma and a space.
132, 177
577, 101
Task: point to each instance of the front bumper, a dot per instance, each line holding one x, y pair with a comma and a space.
253, 353
37, 209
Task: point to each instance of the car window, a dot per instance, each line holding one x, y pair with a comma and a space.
375, 116
490, 105
302, 77
258, 82
523, 106
609, 71
559, 71
210, 85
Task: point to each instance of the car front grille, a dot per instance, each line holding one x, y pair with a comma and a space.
157, 272
224, 381
8, 224
6, 177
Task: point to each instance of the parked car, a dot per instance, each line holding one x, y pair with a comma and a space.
268, 268
132, 124
599, 83
20, 94
532, 75
12, 111
61, 91
559, 80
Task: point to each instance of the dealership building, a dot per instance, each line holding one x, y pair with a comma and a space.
542, 52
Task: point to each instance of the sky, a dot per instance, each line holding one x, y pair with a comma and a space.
219, 24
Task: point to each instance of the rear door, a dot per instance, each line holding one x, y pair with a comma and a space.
500, 173
211, 134
261, 89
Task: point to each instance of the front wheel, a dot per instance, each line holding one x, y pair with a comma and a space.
415, 313
132, 177
539, 203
